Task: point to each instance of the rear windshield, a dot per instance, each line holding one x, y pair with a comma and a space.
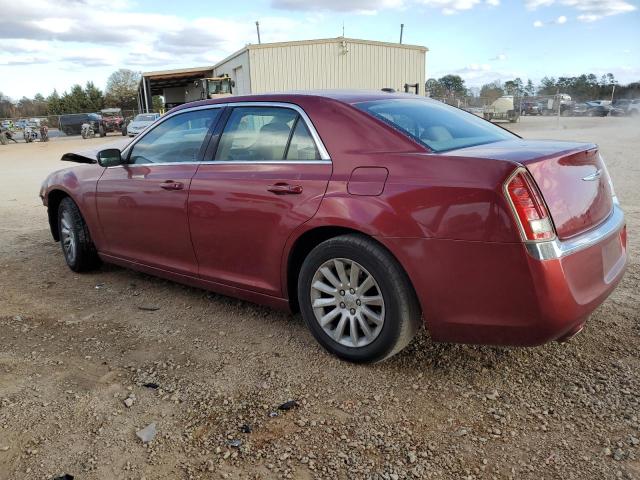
145, 117
434, 124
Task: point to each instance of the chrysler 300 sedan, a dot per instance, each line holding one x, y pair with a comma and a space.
371, 213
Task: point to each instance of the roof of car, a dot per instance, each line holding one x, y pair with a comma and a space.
344, 96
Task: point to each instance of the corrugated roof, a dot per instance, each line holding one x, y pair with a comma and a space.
255, 46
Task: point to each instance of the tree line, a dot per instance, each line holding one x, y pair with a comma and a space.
121, 92
580, 88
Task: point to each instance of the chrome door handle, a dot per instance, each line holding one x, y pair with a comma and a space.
284, 189
171, 185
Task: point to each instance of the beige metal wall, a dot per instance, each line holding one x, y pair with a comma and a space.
328, 65
237, 67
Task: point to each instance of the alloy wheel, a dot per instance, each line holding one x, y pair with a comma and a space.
347, 302
68, 236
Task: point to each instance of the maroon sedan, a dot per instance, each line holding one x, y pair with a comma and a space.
371, 213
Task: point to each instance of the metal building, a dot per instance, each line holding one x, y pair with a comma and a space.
301, 65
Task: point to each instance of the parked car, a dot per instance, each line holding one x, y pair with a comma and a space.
597, 108
622, 103
372, 213
634, 108
140, 122
72, 124
530, 108
590, 109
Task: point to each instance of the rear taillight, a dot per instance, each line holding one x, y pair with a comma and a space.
529, 209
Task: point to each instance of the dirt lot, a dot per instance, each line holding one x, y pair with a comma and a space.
74, 347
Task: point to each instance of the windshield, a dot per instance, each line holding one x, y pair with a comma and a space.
144, 118
217, 87
434, 124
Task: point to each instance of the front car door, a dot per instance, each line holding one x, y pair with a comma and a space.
142, 205
267, 177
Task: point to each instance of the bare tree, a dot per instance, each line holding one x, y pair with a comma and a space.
122, 89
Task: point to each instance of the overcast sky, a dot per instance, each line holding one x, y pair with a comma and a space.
47, 44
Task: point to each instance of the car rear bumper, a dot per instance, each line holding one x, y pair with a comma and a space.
511, 293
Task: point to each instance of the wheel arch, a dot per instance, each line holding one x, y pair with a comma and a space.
54, 198
311, 238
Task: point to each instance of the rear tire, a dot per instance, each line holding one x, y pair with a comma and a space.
380, 315
77, 246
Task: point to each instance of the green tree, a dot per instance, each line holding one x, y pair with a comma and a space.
547, 86
491, 91
453, 85
529, 90
514, 87
39, 105
122, 89
75, 101
54, 105
158, 103
434, 88
95, 99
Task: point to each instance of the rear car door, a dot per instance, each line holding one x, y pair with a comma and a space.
142, 205
268, 176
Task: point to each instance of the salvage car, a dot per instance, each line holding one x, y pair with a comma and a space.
140, 122
112, 120
372, 213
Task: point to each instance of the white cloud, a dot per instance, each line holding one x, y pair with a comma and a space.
500, 57
367, 7
591, 10
538, 24
561, 19
357, 6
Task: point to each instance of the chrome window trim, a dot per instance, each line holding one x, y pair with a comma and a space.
555, 249
324, 154
231, 162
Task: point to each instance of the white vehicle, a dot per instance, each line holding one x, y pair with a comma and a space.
140, 122
634, 108
502, 109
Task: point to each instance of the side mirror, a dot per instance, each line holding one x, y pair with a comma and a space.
110, 157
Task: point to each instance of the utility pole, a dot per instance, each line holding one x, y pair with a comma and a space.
558, 99
401, 31
258, 31
613, 90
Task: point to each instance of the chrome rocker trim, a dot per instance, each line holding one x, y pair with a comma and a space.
555, 249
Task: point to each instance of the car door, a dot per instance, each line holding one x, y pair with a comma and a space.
267, 177
142, 205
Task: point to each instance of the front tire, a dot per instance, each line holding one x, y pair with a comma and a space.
357, 300
77, 247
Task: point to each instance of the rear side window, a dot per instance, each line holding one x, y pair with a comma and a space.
266, 134
302, 145
434, 124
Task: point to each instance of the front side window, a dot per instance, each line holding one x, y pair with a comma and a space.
265, 134
434, 124
177, 139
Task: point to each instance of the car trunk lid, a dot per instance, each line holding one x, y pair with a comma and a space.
571, 176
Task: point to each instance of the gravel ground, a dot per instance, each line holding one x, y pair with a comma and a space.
89, 360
